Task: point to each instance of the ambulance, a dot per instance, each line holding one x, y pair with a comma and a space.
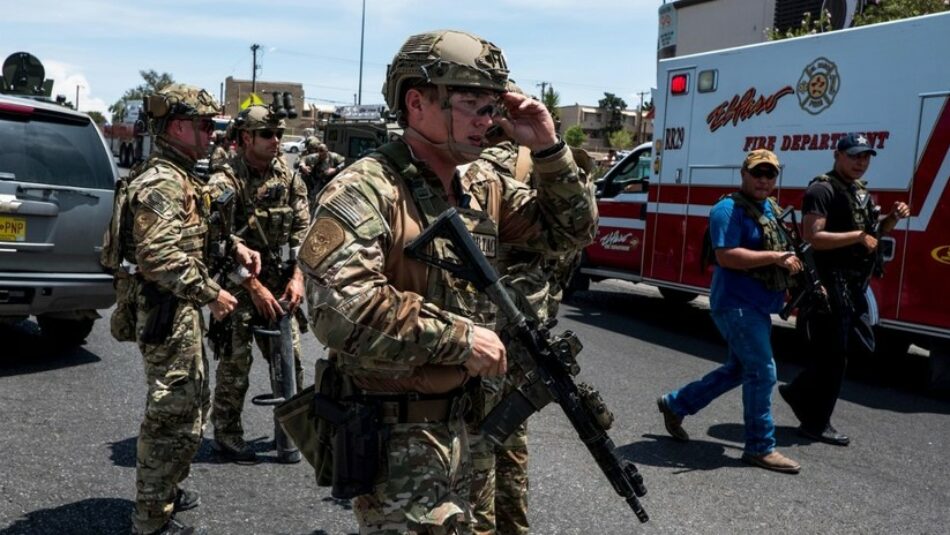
796, 97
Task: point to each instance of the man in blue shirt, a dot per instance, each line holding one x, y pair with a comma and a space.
748, 285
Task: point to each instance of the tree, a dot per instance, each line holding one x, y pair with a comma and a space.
153, 82
575, 136
620, 140
613, 107
97, 117
873, 13
551, 100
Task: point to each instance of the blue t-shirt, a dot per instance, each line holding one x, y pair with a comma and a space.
730, 226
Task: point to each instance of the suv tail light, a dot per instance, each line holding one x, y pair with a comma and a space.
18, 109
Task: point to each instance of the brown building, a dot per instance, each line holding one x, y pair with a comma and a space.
593, 120
236, 91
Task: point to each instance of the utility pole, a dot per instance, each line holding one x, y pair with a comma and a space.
640, 118
77, 96
543, 86
362, 33
254, 66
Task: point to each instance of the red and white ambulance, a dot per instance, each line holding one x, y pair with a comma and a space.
796, 97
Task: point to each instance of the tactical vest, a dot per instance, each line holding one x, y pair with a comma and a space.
858, 198
774, 278
265, 209
453, 295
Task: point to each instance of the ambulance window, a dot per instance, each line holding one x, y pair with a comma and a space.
707, 81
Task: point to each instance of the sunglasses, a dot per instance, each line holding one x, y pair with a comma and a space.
206, 126
764, 172
470, 107
267, 134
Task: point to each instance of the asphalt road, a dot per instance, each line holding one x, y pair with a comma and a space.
69, 420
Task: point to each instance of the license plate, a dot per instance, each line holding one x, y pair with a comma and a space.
12, 228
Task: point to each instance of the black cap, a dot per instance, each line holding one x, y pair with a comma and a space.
855, 143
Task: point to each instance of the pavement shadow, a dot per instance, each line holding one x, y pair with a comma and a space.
26, 351
664, 452
785, 435
92, 515
123, 452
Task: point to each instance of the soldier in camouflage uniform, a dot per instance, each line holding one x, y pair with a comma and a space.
168, 209
270, 211
408, 335
500, 473
219, 150
319, 167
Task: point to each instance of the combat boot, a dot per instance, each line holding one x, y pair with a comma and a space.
233, 448
186, 499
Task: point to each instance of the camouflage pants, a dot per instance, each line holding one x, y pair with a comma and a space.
499, 474
233, 370
424, 483
175, 413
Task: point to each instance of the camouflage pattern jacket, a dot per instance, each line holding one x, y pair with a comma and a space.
270, 209
393, 323
317, 178
169, 210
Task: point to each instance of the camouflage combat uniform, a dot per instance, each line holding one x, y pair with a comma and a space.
318, 177
500, 473
277, 203
394, 325
169, 210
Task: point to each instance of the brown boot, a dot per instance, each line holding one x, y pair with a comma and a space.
773, 461
673, 423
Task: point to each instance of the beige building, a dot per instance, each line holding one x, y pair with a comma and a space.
593, 120
237, 91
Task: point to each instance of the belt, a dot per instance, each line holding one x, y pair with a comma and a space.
416, 408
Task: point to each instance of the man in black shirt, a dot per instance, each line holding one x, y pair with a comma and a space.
838, 213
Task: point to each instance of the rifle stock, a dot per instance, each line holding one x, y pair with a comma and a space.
549, 362
809, 294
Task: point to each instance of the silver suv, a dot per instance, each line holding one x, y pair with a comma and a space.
57, 179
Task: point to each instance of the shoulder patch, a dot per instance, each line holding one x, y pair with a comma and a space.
324, 237
350, 206
157, 202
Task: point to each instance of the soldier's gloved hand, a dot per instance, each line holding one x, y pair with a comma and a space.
264, 301
249, 258
293, 293
488, 356
222, 305
899, 211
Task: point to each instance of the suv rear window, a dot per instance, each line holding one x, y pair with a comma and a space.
54, 149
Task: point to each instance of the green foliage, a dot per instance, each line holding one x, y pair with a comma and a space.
899, 9
620, 140
883, 11
612, 106
97, 117
809, 26
551, 100
153, 82
575, 136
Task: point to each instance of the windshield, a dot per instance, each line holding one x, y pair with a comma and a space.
52, 149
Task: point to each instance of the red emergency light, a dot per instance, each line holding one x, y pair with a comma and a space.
19, 109
678, 84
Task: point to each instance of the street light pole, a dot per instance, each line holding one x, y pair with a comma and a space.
359, 100
77, 96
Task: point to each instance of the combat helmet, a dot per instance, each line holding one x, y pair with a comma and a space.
182, 101
313, 143
259, 117
444, 58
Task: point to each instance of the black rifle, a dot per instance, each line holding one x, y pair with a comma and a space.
549, 369
808, 293
220, 263
873, 264
283, 378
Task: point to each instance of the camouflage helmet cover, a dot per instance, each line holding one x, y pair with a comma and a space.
313, 142
258, 117
448, 58
181, 99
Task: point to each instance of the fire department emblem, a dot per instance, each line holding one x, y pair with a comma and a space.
818, 86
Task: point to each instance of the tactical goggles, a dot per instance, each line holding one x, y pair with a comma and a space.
474, 105
267, 134
764, 171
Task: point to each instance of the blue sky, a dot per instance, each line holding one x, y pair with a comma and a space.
582, 47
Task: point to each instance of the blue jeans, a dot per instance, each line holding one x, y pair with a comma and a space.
750, 363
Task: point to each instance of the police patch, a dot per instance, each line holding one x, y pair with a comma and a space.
324, 237
157, 202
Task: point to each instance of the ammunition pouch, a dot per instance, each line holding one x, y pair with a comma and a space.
276, 223
162, 306
123, 320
